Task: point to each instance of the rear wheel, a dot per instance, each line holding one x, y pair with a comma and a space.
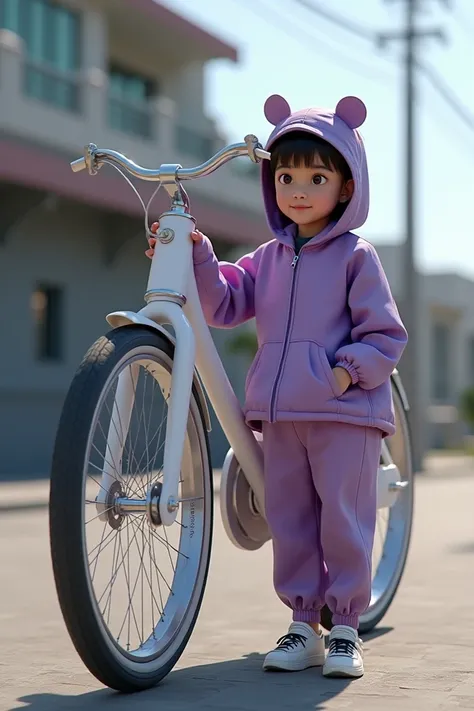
129, 588
393, 527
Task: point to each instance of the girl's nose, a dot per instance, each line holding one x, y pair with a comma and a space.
299, 194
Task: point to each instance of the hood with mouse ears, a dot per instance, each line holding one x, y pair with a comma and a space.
339, 128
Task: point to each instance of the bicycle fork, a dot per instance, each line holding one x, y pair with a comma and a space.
171, 271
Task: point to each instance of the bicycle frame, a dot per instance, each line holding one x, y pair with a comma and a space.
172, 298
194, 347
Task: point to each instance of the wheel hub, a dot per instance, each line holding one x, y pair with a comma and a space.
118, 505
153, 507
115, 516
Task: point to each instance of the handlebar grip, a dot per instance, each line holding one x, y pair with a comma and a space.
78, 165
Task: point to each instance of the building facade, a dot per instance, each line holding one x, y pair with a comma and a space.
124, 74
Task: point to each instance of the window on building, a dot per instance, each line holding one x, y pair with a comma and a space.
51, 35
441, 362
47, 311
129, 102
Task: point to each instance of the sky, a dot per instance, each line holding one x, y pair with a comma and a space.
286, 49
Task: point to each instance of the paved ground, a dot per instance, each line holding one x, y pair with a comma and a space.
421, 657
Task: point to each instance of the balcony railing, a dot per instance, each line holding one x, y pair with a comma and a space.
45, 83
67, 111
135, 119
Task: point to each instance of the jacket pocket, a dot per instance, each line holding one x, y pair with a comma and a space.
254, 366
332, 380
261, 376
308, 383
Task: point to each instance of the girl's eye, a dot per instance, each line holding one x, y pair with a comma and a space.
319, 179
285, 179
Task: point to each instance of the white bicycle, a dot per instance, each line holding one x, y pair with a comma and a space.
131, 503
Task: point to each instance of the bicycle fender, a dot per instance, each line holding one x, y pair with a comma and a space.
117, 319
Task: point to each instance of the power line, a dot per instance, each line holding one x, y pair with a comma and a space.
445, 92
439, 121
430, 73
436, 81
345, 24
283, 24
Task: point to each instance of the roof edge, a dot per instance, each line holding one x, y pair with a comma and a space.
174, 21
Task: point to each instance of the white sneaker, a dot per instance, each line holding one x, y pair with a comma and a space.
301, 648
345, 654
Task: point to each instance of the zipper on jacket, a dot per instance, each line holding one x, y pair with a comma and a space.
294, 264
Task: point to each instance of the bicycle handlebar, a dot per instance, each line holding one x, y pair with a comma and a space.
95, 157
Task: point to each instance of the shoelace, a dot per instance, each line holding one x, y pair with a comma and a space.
344, 647
290, 640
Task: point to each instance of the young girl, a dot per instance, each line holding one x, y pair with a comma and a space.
329, 336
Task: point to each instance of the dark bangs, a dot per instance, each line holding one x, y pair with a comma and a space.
292, 150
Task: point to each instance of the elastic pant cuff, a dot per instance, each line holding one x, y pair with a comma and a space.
348, 620
313, 616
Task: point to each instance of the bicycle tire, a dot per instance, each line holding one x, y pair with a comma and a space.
374, 614
66, 523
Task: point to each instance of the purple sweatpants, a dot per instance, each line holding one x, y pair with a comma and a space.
320, 500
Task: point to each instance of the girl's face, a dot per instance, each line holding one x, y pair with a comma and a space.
308, 195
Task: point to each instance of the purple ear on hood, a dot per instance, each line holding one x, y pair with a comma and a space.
352, 111
276, 109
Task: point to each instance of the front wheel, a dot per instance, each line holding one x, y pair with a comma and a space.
130, 589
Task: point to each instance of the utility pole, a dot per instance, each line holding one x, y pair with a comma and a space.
410, 305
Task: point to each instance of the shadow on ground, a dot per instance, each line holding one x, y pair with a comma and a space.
463, 548
233, 685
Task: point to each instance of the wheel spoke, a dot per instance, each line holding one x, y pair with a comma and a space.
143, 576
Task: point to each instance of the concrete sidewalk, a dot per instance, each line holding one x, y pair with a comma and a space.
22, 495
419, 658
34, 493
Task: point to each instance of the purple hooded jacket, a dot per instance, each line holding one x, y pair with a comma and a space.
329, 306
